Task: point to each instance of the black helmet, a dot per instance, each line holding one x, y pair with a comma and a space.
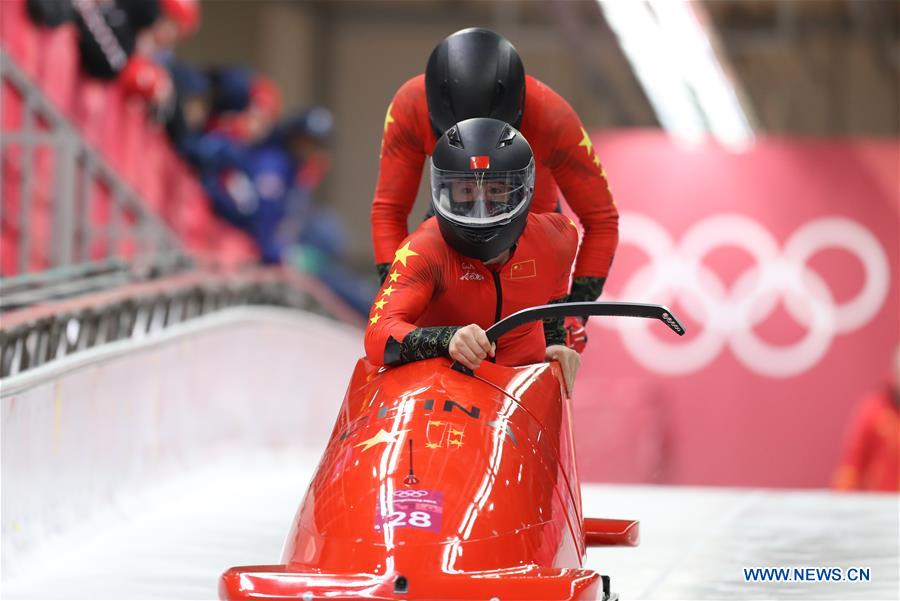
474, 73
482, 181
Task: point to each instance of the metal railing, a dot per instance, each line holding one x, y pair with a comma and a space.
38, 335
78, 244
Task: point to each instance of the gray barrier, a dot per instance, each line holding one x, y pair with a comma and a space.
82, 431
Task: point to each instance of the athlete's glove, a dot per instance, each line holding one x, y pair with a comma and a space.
584, 289
576, 335
383, 269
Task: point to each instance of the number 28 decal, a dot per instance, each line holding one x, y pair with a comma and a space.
417, 508
416, 519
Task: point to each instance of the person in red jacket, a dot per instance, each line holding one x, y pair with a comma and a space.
871, 458
482, 257
477, 73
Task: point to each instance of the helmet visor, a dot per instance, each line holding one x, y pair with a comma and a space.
481, 197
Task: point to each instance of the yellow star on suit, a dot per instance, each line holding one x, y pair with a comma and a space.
586, 142
403, 253
388, 118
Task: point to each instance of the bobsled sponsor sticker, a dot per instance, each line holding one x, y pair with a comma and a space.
413, 508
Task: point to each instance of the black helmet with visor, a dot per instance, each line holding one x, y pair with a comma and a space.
482, 182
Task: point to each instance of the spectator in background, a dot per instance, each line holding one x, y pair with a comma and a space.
318, 233
229, 92
178, 20
266, 188
50, 13
107, 29
209, 126
871, 459
260, 175
147, 76
108, 32
192, 104
254, 185
246, 105
130, 41
189, 125
147, 81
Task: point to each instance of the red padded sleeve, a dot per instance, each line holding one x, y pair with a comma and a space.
402, 156
563, 236
403, 297
582, 181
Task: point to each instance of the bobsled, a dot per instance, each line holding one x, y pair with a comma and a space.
441, 483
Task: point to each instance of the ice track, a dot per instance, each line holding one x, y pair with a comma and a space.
174, 541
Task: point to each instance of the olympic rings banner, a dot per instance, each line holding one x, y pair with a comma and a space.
782, 263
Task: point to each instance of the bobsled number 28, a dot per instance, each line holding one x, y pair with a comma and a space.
440, 483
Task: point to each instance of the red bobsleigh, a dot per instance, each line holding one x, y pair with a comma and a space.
438, 483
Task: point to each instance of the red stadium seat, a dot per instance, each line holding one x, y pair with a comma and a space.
135, 147
58, 66
20, 37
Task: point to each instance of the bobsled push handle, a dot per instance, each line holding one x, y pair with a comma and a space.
597, 308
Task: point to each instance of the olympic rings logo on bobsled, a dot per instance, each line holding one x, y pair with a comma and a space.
727, 316
405, 494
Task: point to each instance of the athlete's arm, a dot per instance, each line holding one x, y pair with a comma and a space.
391, 335
580, 177
400, 170
564, 239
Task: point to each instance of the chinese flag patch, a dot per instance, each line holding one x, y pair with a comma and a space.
522, 270
480, 162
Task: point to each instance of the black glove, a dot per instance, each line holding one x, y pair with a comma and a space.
586, 289
383, 269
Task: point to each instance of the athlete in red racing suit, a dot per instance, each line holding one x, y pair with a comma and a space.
565, 160
429, 282
439, 282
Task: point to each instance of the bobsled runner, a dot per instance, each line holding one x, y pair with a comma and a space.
440, 483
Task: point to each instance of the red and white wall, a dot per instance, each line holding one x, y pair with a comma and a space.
782, 263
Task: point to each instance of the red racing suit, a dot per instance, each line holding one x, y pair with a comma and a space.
565, 161
432, 290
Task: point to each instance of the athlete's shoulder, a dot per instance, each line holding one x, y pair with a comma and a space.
535, 88
406, 125
552, 224
543, 98
548, 120
553, 230
411, 95
426, 241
